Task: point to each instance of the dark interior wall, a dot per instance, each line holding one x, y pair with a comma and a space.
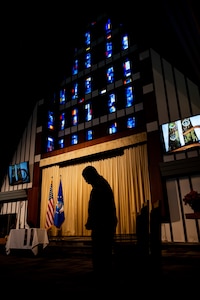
7, 222
33, 213
156, 184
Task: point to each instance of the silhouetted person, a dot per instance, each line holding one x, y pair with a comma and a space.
102, 222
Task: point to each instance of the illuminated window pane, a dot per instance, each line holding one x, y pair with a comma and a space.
75, 67
61, 143
50, 120
111, 103
88, 60
102, 92
75, 91
88, 112
62, 96
131, 122
127, 81
81, 100
125, 42
87, 38
110, 75
129, 96
62, 121
113, 128
88, 85
108, 49
127, 68
74, 116
74, 139
50, 144
89, 135
108, 26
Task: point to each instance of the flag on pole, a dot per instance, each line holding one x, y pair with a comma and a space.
50, 208
59, 216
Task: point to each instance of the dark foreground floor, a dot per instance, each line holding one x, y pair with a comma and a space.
69, 275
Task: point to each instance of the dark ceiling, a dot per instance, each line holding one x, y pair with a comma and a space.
38, 43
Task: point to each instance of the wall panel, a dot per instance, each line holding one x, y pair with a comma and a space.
182, 97
171, 92
159, 88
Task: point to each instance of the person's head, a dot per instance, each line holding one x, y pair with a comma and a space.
90, 174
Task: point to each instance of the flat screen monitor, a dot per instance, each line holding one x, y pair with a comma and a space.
181, 134
19, 173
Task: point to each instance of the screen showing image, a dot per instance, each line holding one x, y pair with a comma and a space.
181, 134
19, 173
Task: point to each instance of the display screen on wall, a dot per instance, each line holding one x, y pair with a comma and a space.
19, 173
181, 134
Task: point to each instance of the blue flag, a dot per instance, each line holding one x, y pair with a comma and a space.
59, 216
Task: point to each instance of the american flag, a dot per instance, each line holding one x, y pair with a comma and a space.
50, 209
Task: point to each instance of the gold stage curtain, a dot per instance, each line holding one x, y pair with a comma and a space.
128, 176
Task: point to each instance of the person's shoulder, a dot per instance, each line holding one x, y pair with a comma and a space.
104, 181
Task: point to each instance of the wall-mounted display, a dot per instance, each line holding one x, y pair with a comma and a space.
19, 173
181, 134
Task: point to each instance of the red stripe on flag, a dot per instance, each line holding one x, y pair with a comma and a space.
50, 209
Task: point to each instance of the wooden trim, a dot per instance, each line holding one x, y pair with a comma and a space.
194, 215
180, 167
